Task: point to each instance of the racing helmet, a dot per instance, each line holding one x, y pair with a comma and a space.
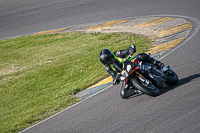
106, 57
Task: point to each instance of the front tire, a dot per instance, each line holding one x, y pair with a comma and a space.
152, 90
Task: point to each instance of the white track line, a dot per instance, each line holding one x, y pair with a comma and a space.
66, 109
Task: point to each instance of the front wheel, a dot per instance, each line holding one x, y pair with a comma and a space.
149, 89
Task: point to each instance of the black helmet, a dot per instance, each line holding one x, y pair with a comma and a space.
106, 56
132, 49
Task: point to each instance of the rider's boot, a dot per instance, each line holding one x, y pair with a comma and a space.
155, 62
158, 63
116, 79
148, 58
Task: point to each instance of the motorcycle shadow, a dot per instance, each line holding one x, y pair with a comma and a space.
180, 83
136, 95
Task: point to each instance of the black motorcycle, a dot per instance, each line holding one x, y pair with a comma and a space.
146, 77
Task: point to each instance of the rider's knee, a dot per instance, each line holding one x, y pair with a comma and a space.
123, 95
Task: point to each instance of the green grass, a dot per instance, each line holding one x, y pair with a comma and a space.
40, 75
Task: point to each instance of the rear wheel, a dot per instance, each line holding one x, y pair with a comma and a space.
172, 78
149, 89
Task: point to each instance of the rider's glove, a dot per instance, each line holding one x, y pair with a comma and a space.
116, 80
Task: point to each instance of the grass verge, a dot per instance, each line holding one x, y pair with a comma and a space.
40, 75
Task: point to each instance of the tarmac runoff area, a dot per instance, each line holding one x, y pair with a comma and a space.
168, 32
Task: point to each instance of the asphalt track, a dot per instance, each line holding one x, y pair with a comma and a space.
177, 109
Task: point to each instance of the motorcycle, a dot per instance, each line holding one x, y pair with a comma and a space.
146, 77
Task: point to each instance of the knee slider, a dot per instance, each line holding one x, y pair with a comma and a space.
123, 95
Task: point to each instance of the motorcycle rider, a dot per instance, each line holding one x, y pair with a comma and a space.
113, 62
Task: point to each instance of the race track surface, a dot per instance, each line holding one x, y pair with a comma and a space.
177, 109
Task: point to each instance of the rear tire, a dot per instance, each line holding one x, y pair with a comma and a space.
172, 78
153, 91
